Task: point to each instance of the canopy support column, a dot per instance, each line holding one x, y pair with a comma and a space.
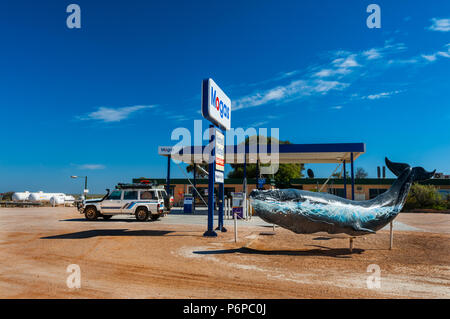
353, 176
195, 186
211, 174
221, 203
168, 175
345, 181
244, 186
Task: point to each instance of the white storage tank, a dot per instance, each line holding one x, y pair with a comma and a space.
43, 197
20, 196
69, 199
57, 200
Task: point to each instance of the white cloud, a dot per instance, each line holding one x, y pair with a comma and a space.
372, 54
337, 107
259, 124
342, 69
348, 62
389, 48
178, 117
331, 72
430, 58
404, 61
444, 54
381, 95
91, 166
325, 86
433, 57
282, 94
324, 73
442, 25
107, 114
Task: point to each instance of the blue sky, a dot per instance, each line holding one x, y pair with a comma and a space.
98, 100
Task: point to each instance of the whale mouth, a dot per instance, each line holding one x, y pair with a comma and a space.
272, 194
256, 194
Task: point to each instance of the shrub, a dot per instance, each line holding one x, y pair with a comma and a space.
425, 196
7, 196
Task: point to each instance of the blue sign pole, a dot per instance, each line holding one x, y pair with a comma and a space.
211, 174
245, 169
168, 175
345, 181
221, 203
194, 192
353, 176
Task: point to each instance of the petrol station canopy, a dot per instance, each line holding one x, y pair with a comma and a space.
287, 153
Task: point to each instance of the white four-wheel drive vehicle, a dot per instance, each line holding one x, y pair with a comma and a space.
141, 200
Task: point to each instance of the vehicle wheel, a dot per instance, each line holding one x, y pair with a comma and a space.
91, 213
106, 217
155, 217
142, 214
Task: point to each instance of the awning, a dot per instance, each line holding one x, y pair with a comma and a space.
285, 153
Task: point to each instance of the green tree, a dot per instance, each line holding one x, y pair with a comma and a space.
339, 174
199, 173
7, 196
361, 173
282, 177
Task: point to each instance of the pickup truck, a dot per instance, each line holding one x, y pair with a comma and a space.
141, 200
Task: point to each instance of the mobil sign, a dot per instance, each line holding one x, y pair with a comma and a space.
165, 150
216, 106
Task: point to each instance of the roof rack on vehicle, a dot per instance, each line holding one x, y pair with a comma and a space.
134, 185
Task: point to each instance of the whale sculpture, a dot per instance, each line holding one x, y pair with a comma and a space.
305, 212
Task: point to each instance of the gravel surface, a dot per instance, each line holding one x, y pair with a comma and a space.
169, 258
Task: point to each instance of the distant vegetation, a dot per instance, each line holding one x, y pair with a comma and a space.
7, 196
427, 197
361, 173
282, 177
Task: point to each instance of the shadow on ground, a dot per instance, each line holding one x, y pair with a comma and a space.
101, 220
112, 232
324, 251
197, 212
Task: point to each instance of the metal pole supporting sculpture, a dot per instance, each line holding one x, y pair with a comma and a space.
305, 212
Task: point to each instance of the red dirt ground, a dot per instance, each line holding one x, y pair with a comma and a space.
127, 259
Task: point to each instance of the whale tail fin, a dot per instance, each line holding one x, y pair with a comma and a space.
418, 173
396, 168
